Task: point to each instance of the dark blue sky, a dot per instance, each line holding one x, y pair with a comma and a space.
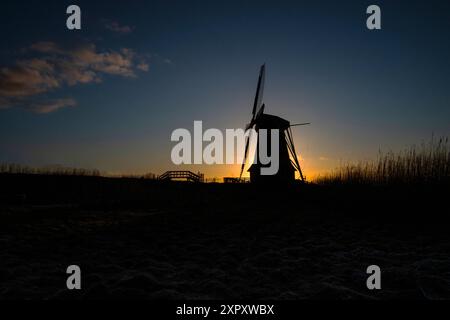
362, 90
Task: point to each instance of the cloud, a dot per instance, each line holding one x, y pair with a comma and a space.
322, 158
27, 78
115, 27
51, 105
55, 68
117, 63
143, 66
46, 47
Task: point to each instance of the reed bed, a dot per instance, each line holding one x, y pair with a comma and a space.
428, 163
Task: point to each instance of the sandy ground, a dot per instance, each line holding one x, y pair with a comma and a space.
217, 251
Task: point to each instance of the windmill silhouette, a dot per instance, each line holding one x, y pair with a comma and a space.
288, 161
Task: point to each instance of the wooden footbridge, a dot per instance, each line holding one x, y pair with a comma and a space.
181, 176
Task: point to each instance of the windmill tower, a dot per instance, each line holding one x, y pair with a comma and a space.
288, 161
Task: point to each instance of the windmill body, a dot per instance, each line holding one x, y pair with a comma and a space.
288, 161
286, 171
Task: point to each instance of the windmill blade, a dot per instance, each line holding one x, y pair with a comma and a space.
259, 90
247, 142
256, 112
300, 124
294, 153
261, 111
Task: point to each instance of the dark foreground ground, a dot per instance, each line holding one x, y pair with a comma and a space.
142, 239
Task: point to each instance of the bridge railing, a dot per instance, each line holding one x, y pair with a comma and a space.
188, 175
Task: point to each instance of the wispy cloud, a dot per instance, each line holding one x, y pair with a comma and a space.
55, 67
116, 27
143, 66
51, 105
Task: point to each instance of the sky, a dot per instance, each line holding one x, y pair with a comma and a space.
108, 96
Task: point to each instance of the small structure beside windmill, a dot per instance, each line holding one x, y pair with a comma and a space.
288, 161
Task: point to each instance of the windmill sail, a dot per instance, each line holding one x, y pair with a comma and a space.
259, 91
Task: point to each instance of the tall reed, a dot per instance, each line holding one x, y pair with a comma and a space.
428, 163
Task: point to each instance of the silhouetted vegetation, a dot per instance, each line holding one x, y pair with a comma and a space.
428, 163
14, 168
57, 170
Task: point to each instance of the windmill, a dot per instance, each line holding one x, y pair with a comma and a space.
288, 161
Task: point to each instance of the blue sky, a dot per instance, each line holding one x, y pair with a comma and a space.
362, 90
